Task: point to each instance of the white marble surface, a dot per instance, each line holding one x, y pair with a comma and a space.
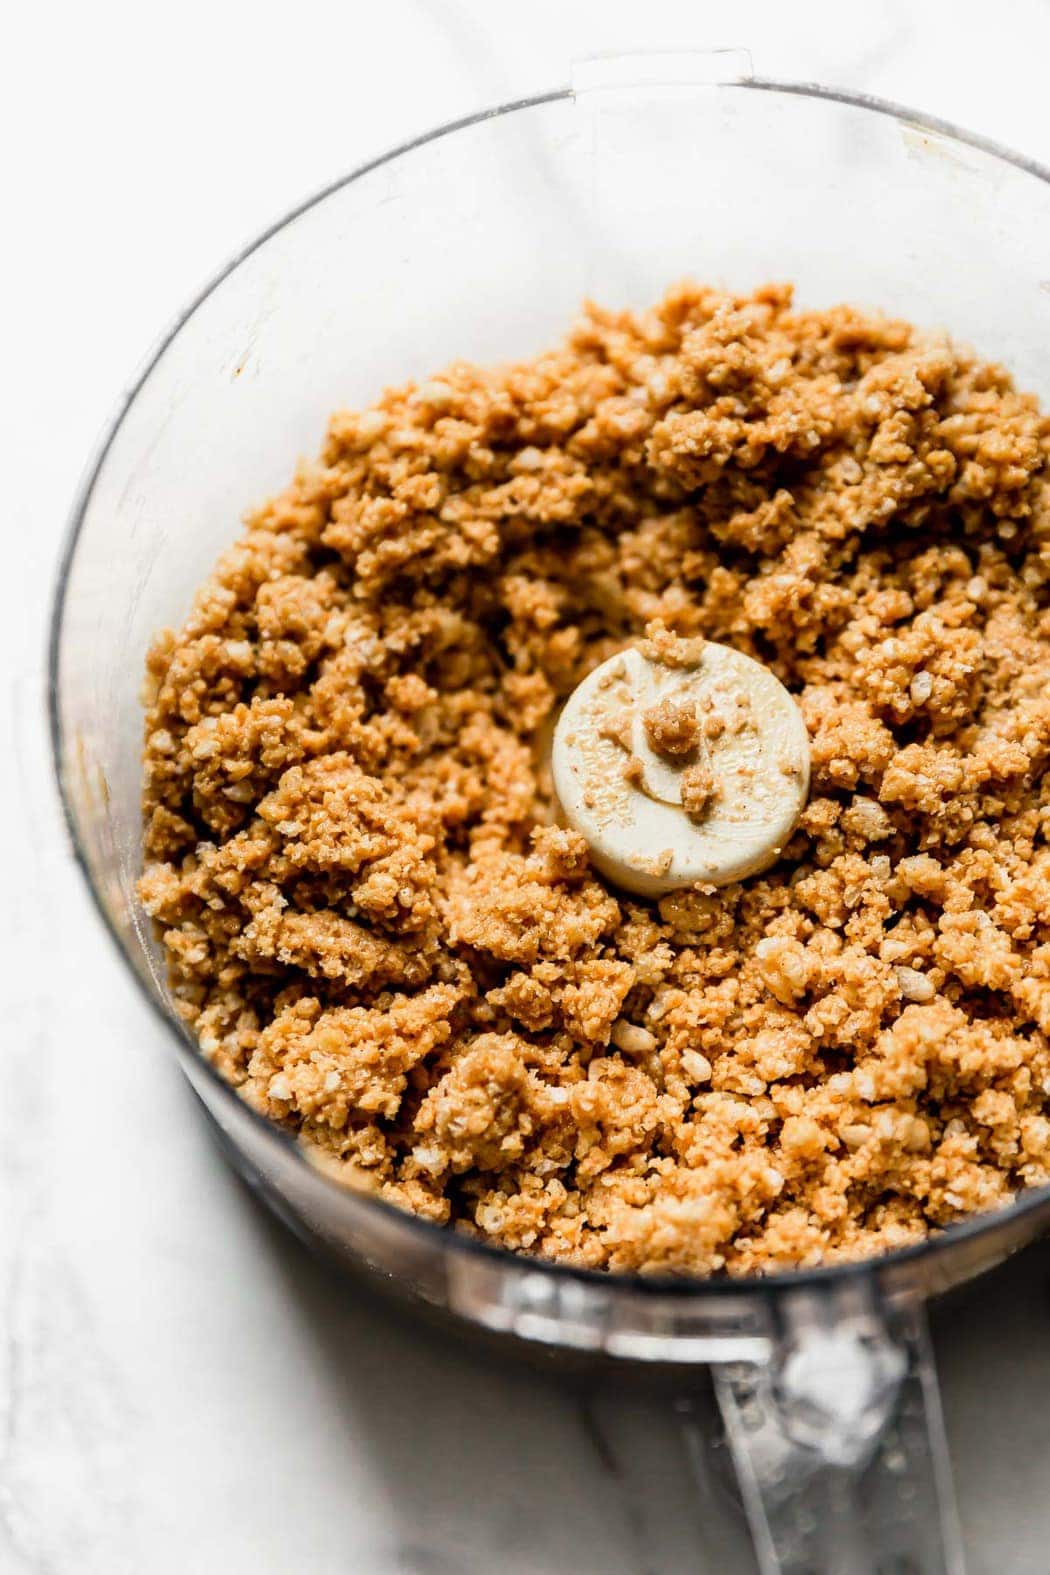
181, 1388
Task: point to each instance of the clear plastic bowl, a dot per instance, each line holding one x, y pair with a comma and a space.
479, 241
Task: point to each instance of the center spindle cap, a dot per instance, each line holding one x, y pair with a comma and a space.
683, 763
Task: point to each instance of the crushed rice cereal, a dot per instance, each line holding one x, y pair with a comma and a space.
379, 933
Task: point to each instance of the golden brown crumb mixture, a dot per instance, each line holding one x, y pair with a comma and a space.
699, 790
380, 935
672, 728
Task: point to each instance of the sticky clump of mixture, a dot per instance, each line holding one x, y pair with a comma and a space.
382, 937
672, 728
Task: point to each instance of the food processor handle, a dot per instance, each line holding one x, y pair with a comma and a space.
838, 1439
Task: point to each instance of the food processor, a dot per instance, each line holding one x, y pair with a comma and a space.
479, 241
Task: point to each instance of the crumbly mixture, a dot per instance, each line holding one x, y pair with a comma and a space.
699, 790
383, 939
672, 728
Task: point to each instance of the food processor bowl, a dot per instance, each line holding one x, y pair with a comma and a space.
479, 241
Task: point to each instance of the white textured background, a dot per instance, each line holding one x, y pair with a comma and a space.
183, 1392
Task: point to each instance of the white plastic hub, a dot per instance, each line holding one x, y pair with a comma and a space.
745, 777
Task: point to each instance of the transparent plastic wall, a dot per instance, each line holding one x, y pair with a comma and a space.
480, 242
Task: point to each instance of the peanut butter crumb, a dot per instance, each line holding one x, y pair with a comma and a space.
380, 935
617, 728
672, 728
669, 648
699, 790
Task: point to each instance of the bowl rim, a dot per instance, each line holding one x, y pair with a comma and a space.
615, 1284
